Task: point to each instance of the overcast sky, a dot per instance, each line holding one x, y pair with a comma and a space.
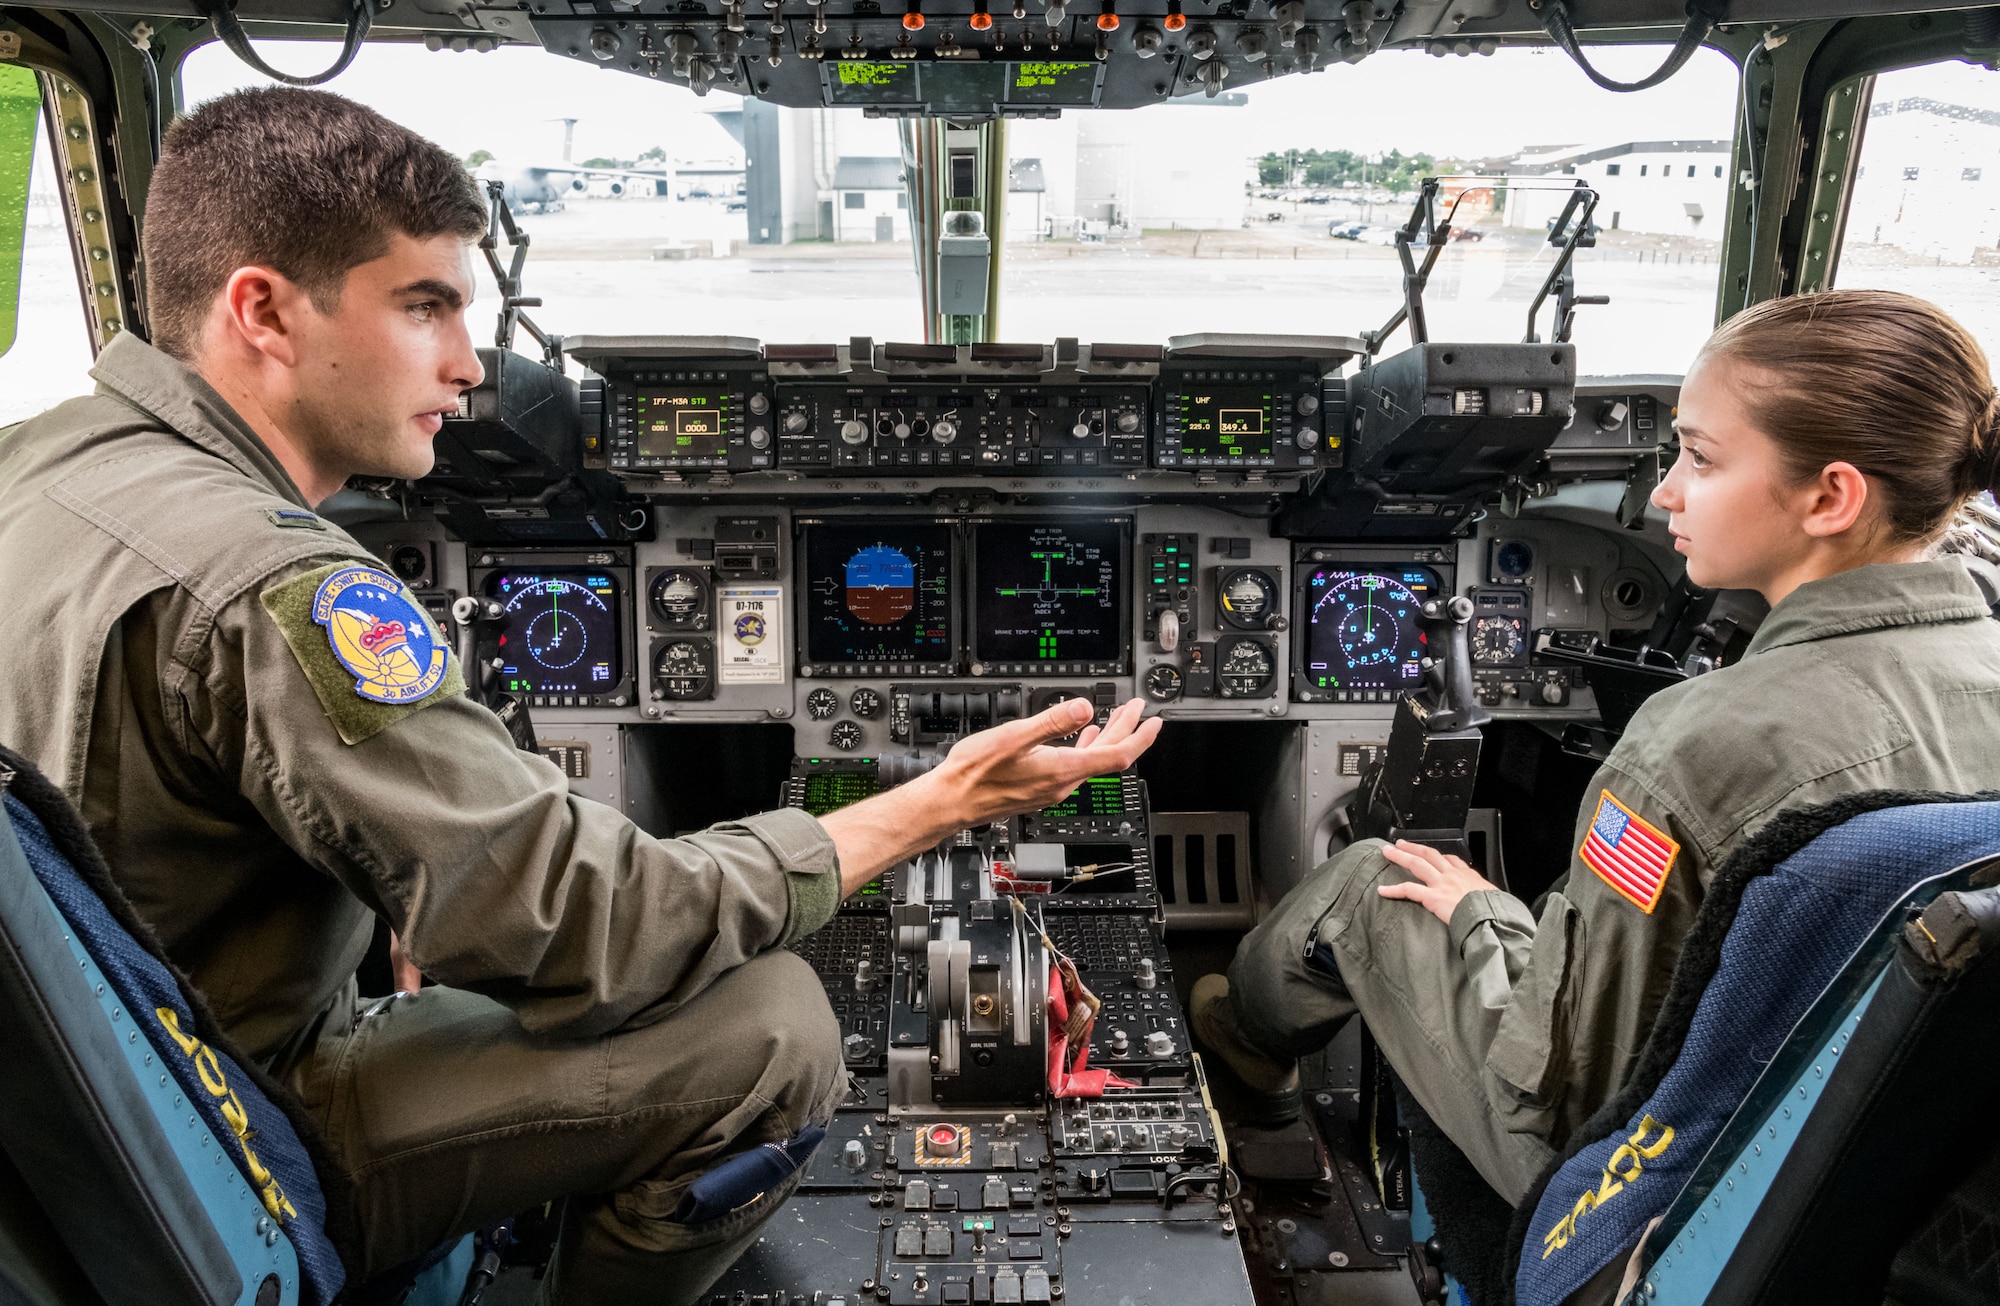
504, 101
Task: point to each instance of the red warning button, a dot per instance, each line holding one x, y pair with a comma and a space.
943, 1140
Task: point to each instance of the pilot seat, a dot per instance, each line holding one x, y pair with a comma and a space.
1809, 1119
141, 1158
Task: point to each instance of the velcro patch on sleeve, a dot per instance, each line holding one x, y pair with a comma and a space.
1628, 853
367, 647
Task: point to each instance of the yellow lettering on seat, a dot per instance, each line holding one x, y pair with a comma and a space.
1624, 1167
209, 1068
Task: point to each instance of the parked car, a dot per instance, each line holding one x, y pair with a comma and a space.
1346, 230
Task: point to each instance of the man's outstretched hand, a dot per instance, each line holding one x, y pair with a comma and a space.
1015, 767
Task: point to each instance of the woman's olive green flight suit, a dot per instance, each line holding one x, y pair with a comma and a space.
1512, 1030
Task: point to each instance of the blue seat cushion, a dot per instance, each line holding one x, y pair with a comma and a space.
261, 1130
1780, 923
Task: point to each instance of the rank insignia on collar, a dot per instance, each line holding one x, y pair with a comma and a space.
380, 635
1628, 853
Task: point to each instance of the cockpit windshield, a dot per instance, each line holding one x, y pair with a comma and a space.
652, 210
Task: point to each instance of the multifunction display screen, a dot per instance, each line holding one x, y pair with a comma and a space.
878, 593
1102, 796
960, 85
1225, 421
1049, 593
560, 634
829, 791
1361, 628
680, 424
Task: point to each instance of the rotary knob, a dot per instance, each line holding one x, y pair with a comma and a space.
760, 437
1552, 692
1307, 405
1307, 437
795, 421
853, 432
945, 431
902, 430
1128, 422
760, 404
1159, 1043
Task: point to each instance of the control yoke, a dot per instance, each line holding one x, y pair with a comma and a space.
1421, 787
1448, 678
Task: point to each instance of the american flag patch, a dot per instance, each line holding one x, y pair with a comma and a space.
1627, 853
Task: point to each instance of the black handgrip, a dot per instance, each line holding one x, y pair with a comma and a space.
1455, 704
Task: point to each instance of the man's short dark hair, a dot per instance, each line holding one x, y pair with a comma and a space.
306, 183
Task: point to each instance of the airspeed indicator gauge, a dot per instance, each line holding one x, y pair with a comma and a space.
1245, 667
846, 736
822, 703
683, 669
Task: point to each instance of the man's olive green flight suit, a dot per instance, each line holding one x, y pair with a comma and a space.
1512, 1030
616, 1020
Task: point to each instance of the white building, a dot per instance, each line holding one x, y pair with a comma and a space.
1174, 165
870, 201
1929, 181
1668, 188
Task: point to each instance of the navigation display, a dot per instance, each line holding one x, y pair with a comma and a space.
561, 631
1049, 595
680, 424
1360, 631
1223, 422
877, 593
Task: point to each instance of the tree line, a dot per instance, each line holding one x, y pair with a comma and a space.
1394, 171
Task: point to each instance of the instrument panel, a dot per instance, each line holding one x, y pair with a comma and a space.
743, 579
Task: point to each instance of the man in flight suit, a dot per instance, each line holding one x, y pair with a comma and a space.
272, 745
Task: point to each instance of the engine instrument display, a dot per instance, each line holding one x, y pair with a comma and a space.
1049, 596
1222, 424
560, 634
681, 423
877, 594
1360, 635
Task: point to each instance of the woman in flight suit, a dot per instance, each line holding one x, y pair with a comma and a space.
1827, 442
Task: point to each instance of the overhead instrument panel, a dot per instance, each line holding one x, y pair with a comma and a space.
560, 635
1359, 639
876, 599
1050, 598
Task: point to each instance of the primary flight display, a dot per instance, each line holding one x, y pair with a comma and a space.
878, 593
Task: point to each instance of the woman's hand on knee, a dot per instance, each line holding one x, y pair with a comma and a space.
1441, 879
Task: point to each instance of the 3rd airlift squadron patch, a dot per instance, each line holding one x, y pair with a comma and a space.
1628, 853
369, 650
